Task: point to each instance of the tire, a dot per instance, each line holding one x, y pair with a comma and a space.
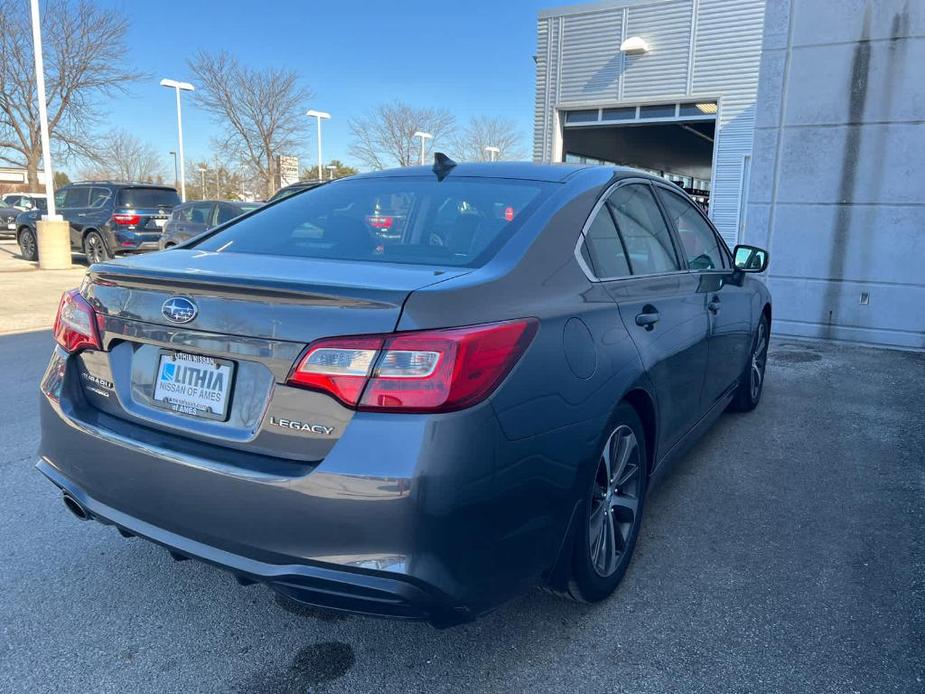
751, 384
95, 248
600, 558
28, 247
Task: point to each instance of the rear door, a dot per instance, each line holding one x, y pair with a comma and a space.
631, 249
728, 305
74, 208
176, 225
200, 219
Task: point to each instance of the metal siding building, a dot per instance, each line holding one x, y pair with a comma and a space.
698, 50
836, 187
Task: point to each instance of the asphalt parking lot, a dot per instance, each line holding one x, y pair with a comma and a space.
786, 553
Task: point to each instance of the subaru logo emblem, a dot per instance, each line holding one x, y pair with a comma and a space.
179, 309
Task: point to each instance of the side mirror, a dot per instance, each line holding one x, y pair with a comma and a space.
750, 258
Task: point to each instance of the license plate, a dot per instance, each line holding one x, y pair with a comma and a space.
11, 226
194, 385
159, 223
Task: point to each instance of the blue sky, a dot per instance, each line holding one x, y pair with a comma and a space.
469, 57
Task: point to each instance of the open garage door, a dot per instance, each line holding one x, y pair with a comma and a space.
674, 141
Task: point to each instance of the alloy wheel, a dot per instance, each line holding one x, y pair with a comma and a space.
759, 360
615, 499
93, 247
27, 244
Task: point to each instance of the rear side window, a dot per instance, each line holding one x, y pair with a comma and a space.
99, 197
200, 213
228, 212
647, 239
139, 198
701, 245
459, 221
605, 248
76, 197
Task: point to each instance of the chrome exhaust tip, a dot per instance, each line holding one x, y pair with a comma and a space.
74, 507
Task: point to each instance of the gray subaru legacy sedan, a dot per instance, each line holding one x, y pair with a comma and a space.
418, 424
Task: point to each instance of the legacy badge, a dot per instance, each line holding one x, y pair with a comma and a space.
301, 426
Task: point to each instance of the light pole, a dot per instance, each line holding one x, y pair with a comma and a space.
320, 116
492, 152
176, 176
178, 87
52, 239
423, 136
331, 170
202, 173
43, 110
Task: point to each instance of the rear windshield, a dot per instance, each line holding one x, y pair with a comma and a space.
138, 198
458, 221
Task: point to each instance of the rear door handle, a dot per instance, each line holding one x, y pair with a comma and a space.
714, 305
648, 318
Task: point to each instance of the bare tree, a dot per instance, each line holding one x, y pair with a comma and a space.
261, 110
385, 136
123, 157
485, 131
85, 59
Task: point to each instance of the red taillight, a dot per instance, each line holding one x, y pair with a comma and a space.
428, 371
338, 366
126, 219
380, 222
75, 324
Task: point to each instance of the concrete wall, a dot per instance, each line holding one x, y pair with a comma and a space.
706, 49
837, 179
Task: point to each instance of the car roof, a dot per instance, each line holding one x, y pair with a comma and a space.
215, 202
525, 170
120, 184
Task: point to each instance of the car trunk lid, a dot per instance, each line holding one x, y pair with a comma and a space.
281, 298
256, 315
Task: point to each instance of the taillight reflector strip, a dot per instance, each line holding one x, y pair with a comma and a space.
426, 371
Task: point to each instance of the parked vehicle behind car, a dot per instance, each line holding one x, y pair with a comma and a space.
194, 218
292, 189
105, 218
14, 204
419, 428
22, 201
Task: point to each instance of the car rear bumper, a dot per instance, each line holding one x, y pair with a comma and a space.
405, 517
365, 592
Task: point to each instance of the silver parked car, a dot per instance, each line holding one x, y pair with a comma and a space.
193, 218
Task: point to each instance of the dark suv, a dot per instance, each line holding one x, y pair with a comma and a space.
106, 218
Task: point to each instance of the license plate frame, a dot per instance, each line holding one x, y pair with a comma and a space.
186, 392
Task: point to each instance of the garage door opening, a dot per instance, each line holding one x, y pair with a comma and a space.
674, 141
